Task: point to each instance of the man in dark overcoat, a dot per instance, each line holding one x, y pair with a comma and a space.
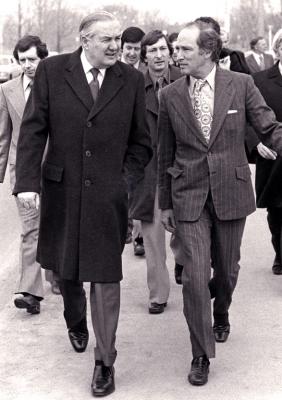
92, 109
156, 52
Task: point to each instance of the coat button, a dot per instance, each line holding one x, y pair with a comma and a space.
87, 182
88, 153
89, 124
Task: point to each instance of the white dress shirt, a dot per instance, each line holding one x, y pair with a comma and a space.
207, 90
87, 67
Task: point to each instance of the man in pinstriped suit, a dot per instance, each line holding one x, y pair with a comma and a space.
205, 189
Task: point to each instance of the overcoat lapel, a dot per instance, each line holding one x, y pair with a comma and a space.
274, 74
16, 96
112, 83
151, 98
223, 97
76, 78
183, 106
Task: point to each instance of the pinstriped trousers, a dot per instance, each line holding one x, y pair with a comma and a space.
198, 237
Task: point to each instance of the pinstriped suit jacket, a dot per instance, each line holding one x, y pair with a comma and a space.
189, 167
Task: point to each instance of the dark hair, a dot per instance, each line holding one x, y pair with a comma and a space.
28, 41
254, 41
212, 23
208, 40
151, 38
173, 37
133, 34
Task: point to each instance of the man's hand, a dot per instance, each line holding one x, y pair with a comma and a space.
168, 221
266, 152
29, 200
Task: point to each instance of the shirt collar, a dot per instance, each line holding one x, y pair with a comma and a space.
26, 81
280, 67
210, 78
87, 66
165, 76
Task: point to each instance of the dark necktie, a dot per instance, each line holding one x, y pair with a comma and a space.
159, 85
94, 84
262, 65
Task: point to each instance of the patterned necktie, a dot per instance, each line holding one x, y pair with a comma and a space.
159, 85
201, 109
94, 84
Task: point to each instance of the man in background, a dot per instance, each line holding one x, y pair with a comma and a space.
28, 52
259, 60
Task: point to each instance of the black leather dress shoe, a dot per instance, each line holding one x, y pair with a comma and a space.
221, 332
138, 246
178, 273
277, 269
29, 302
198, 374
156, 308
103, 382
79, 336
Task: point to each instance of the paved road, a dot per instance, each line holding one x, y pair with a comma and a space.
38, 363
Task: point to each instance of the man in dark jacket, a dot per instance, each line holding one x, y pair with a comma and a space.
92, 109
156, 52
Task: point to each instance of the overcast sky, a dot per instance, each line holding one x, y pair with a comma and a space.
174, 10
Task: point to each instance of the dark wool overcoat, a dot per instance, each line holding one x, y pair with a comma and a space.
142, 201
84, 197
268, 172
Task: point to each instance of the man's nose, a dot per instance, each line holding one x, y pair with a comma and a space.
159, 53
114, 44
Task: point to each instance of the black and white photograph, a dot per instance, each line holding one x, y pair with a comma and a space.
141, 199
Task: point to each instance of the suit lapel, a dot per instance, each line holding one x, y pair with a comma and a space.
16, 96
183, 106
112, 83
76, 78
223, 97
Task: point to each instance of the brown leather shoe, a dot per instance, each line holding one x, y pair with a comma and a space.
29, 302
198, 374
103, 382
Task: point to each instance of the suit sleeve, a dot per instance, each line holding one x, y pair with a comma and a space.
33, 136
5, 134
262, 118
166, 154
139, 150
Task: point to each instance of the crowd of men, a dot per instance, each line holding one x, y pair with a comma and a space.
132, 135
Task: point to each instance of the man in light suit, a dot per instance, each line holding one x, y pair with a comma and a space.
258, 60
156, 52
91, 107
13, 95
204, 178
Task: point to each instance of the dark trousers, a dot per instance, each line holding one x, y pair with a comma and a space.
274, 219
105, 306
198, 238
